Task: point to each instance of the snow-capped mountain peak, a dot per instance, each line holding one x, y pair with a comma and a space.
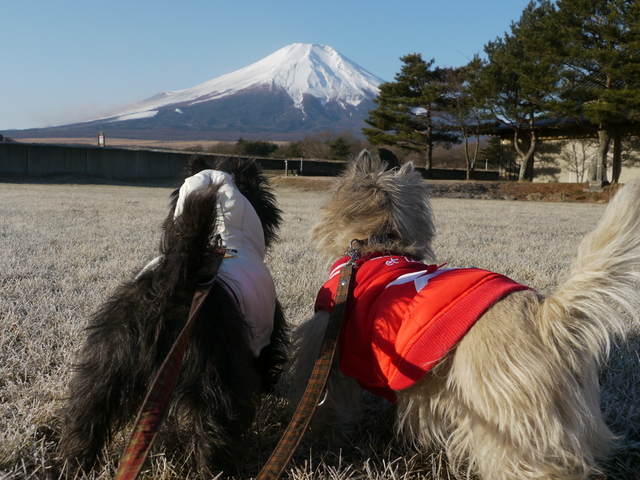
299, 69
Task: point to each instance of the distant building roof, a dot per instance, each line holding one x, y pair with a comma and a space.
564, 127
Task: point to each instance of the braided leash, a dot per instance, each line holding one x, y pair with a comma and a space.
154, 406
292, 436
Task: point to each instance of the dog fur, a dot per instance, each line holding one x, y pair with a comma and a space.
518, 397
217, 393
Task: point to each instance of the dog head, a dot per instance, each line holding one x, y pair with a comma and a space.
386, 209
252, 183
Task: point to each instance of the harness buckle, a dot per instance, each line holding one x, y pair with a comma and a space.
353, 252
209, 270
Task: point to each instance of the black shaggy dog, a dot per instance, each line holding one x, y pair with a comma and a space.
222, 377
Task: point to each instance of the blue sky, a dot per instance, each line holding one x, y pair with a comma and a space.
67, 61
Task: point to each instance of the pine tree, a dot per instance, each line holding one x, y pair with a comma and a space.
491, 154
405, 112
519, 81
339, 149
598, 46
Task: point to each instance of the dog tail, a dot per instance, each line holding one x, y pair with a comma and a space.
602, 294
188, 239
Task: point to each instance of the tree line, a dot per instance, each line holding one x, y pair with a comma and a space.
326, 145
565, 61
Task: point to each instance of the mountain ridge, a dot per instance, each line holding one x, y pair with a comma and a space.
298, 90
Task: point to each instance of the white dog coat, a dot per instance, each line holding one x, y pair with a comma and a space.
245, 274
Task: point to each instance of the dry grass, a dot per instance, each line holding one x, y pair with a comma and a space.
64, 248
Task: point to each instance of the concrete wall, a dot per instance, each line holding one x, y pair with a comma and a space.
13, 158
37, 159
458, 174
131, 164
122, 163
568, 159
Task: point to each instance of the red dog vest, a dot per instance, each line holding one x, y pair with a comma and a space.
403, 316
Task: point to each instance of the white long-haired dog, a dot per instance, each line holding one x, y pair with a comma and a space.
514, 393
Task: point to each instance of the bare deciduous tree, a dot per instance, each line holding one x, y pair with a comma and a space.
579, 156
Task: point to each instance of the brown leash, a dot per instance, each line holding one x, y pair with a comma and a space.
293, 434
154, 406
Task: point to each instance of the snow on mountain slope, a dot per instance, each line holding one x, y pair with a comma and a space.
299, 69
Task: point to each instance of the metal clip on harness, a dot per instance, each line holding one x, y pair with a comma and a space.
353, 251
316, 392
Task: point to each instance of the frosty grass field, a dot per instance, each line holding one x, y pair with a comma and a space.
65, 247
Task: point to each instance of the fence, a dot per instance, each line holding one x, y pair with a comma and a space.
140, 164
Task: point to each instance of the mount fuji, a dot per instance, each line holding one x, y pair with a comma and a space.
294, 92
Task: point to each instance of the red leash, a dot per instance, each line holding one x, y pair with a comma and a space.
293, 434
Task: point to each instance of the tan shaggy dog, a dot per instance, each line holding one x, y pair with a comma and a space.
518, 396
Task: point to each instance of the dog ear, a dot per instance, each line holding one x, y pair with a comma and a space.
196, 164
378, 161
388, 157
226, 164
366, 163
407, 169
